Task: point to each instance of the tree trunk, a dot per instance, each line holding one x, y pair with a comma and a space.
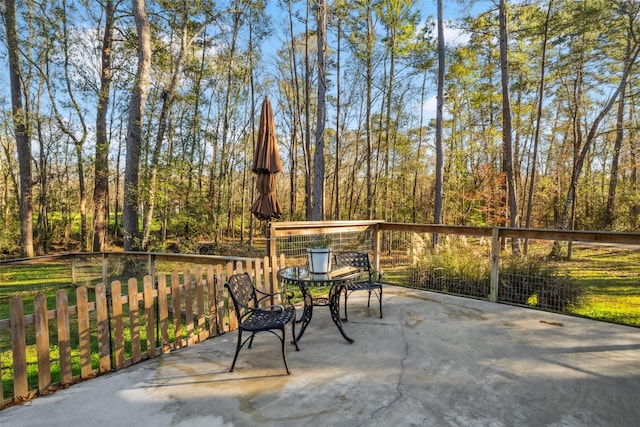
224, 176
307, 126
134, 130
253, 137
507, 143
613, 181
297, 125
101, 184
23, 142
389, 134
437, 209
116, 208
368, 125
336, 185
318, 213
536, 137
42, 228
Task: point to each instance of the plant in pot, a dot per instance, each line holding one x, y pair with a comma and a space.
319, 256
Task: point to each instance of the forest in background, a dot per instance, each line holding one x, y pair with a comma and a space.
539, 124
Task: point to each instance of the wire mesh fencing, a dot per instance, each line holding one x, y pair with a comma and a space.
295, 247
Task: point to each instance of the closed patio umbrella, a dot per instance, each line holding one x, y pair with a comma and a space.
266, 164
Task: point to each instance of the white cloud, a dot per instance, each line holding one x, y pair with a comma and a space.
429, 109
455, 36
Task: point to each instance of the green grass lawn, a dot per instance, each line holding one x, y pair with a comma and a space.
29, 279
611, 279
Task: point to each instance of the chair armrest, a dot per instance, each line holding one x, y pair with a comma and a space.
379, 280
265, 294
275, 307
290, 295
262, 296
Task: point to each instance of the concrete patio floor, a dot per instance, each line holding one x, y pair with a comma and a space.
433, 360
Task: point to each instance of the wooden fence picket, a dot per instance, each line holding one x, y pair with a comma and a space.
149, 311
118, 324
64, 336
221, 327
102, 317
134, 320
177, 312
188, 305
201, 332
211, 294
84, 330
42, 342
19, 350
163, 313
233, 320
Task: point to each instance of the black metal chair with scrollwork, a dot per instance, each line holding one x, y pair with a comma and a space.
255, 317
360, 260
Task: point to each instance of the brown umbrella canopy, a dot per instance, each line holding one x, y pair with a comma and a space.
266, 164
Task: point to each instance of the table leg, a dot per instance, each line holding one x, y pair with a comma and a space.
307, 312
334, 306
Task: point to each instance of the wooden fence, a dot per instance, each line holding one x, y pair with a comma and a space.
164, 314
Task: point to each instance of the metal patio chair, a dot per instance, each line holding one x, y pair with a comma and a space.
254, 318
360, 260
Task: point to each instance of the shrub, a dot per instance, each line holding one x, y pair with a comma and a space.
454, 271
530, 281
523, 281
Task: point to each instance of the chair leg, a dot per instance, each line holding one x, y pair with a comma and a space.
239, 345
293, 331
284, 352
369, 299
380, 300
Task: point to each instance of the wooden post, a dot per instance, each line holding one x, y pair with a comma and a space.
104, 268
151, 264
376, 240
271, 241
495, 260
273, 271
73, 270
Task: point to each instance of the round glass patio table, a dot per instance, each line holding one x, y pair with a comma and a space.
301, 277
